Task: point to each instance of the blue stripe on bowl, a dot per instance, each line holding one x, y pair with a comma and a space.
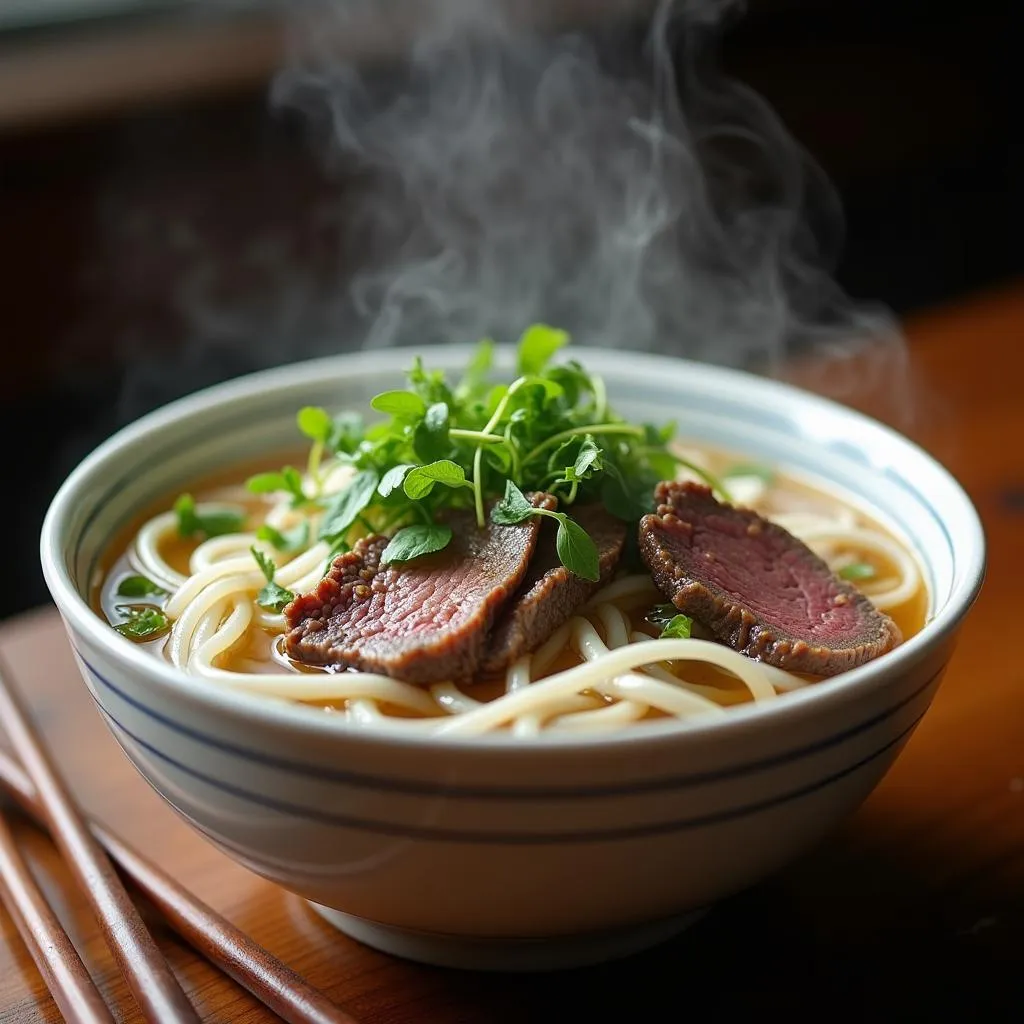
524, 838
410, 786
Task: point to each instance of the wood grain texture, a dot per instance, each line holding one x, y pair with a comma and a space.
914, 910
45, 940
151, 981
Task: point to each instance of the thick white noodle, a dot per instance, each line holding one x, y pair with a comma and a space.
625, 674
147, 551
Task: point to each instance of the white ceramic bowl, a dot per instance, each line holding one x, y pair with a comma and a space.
493, 852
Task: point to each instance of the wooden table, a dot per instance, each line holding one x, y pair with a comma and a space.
913, 911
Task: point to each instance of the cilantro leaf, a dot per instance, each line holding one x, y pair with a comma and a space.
143, 622
139, 586
213, 524
344, 508
536, 347
416, 541
273, 596
288, 541
419, 482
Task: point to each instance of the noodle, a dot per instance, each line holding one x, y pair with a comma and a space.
618, 676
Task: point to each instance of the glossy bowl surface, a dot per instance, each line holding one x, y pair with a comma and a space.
493, 852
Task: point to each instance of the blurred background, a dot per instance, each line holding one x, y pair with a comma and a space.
155, 209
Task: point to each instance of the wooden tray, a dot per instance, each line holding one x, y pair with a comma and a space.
913, 911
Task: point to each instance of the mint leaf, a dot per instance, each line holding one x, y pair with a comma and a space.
403, 405
858, 571
212, 524
143, 623
536, 347
393, 478
315, 423
345, 506
513, 508
576, 549
139, 586
419, 482
288, 541
416, 541
677, 628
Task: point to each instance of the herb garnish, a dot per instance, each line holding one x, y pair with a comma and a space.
139, 586
213, 524
273, 596
574, 545
143, 622
677, 628
439, 445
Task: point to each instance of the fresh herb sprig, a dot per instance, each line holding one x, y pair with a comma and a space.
142, 622
438, 444
273, 596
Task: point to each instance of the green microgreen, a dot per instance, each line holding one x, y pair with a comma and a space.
576, 549
437, 445
677, 628
210, 522
273, 596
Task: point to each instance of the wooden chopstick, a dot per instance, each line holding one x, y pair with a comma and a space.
77, 998
156, 990
288, 994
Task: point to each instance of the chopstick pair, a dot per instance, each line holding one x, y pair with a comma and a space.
41, 793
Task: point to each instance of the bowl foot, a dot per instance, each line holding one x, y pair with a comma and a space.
489, 954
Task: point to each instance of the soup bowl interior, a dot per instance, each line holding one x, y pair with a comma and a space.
493, 851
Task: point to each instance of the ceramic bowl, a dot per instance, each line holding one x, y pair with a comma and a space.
495, 852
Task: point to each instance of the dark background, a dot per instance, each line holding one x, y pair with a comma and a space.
908, 110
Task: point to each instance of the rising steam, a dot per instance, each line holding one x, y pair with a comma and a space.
495, 165
514, 172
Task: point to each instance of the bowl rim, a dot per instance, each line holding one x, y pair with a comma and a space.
969, 544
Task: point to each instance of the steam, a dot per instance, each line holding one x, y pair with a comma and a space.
512, 172
498, 162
